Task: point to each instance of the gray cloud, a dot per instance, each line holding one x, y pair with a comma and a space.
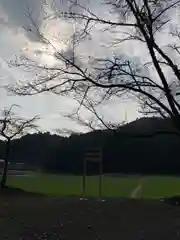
47, 106
16, 11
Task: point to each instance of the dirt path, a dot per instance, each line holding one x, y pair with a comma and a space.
137, 191
70, 219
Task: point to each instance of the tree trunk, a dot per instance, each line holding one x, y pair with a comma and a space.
176, 122
4, 176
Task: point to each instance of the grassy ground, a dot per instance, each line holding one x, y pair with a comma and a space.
67, 185
161, 186
114, 186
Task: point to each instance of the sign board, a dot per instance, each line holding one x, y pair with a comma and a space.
92, 155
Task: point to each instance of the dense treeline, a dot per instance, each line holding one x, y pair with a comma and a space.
143, 146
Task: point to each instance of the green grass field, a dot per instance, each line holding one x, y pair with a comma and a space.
113, 186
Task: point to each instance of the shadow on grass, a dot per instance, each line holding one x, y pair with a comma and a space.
11, 191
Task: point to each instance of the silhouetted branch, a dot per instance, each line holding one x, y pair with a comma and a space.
12, 126
114, 75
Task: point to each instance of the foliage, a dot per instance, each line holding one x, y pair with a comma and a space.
148, 145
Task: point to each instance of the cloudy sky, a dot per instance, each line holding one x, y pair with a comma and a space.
14, 41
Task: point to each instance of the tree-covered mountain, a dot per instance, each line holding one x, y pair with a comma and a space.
147, 145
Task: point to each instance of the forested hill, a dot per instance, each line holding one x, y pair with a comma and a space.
147, 145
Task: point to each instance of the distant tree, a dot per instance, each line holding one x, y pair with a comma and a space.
108, 77
12, 126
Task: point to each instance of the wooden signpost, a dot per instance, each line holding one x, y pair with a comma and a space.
92, 155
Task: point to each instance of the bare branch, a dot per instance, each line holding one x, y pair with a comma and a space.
116, 76
12, 126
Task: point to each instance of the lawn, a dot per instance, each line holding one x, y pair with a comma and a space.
113, 186
68, 185
158, 186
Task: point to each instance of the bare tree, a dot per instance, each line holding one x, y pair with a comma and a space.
12, 126
104, 78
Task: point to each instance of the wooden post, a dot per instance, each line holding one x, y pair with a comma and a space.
100, 175
84, 177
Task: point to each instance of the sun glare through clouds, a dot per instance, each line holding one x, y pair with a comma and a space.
57, 34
